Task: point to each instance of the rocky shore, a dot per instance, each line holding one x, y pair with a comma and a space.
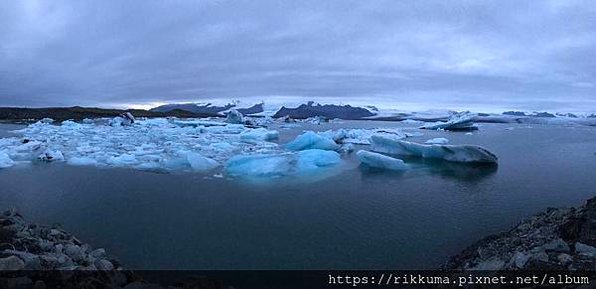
38, 257
557, 239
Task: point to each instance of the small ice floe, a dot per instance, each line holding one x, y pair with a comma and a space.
46, 120
346, 148
312, 140
50, 155
438, 140
198, 123
469, 133
457, 121
81, 161
510, 128
71, 124
282, 164
124, 119
361, 136
411, 121
316, 120
5, 160
234, 117
259, 134
379, 161
452, 153
200, 163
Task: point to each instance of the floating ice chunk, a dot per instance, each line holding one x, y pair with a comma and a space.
458, 121
71, 124
5, 160
263, 120
259, 165
81, 161
200, 163
313, 159
199, 122
50, 155
346, 148
117, 121
438, 140
127, 115
284, 164
46, 120
316, 120
259, 134
227, 129
376, 160
124, 119
289, 125
311, 140
234, 117
411, 121
123, 160
360, 136
452, 153
87, 121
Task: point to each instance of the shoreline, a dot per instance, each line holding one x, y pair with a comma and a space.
555, 239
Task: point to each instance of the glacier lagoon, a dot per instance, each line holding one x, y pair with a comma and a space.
353, 218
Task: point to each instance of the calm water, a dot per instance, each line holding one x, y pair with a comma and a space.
356, 219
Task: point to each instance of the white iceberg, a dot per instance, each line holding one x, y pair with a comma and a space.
71, 124
196, 122
81, 161
312, 140
50, 155
457, 121
438, 140
5, 160
200, 163
452, 153
46, 120
283, 164
123, 160
234, 117
259, 134
361, 136
124, 119
376, 160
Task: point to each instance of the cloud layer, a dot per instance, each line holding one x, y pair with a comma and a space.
517, 54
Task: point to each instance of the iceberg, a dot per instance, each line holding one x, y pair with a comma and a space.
234, 117
438, 140
5, 160
458, 121
312, 140
361, 136
81, 161
50, 155
376, 160
282, 164
259, 134
200, 163
452, 153
123, 160
124, 119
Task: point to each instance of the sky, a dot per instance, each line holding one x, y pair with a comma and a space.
527, 55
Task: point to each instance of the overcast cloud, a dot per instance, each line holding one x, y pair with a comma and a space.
517, 54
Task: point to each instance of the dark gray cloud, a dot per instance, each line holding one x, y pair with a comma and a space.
518, 54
